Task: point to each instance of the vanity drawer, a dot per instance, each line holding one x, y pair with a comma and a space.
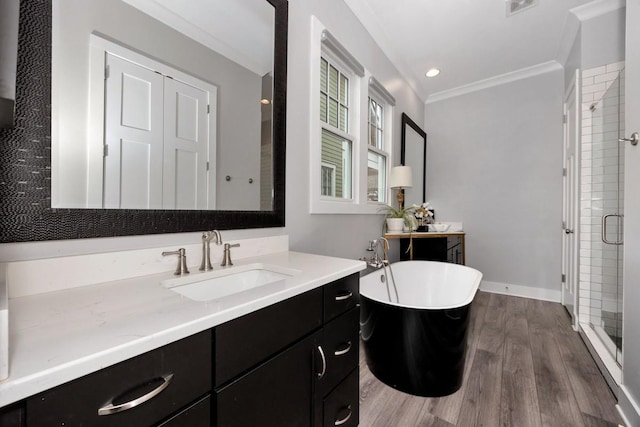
341, 295
78, 402
340, 343
341, 407
246, 341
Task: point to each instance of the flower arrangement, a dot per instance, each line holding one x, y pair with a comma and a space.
423, 214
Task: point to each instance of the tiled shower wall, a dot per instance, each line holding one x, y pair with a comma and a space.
602, 171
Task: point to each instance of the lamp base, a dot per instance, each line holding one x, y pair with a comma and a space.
400, 198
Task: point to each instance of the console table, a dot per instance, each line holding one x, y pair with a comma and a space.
431, 246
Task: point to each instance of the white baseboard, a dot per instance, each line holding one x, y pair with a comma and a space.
521, 291
628, 408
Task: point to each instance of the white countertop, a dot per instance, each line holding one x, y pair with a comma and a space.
59, 336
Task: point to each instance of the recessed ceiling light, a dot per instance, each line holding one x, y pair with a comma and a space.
433, 72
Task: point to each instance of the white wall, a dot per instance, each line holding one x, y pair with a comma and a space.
603, 39
337, 235
494, 161
573, 61
599, 41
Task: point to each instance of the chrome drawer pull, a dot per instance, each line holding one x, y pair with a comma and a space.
344, 350
324, 363
345, 419
110, 408
343, 297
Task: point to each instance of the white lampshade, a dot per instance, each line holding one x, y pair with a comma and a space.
400, 177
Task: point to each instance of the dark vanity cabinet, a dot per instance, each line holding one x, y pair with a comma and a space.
297, 364
294, 363
431, 246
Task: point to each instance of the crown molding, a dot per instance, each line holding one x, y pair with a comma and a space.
523, 73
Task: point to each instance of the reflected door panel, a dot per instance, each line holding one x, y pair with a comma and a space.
186, 147
133, 136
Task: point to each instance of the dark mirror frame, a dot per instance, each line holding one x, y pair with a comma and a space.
25, 155
406, 121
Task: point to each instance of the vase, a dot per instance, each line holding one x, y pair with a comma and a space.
394, 225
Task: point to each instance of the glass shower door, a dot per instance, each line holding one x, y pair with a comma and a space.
607, 191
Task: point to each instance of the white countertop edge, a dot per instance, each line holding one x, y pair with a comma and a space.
15, 389
417, 234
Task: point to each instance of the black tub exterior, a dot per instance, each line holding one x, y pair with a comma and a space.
417, 351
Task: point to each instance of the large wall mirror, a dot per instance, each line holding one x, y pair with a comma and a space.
165, 117
414, 154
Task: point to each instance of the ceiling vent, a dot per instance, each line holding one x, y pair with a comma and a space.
515, 6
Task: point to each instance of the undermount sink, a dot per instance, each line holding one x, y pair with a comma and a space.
219, 284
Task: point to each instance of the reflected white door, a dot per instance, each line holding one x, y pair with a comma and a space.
159, 139
133, 136
570, 202
186, 146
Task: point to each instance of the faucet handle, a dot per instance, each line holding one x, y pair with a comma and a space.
182, 261
226, 258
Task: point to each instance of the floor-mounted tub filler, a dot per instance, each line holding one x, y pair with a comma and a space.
415, 333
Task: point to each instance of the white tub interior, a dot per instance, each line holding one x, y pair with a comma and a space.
424, 285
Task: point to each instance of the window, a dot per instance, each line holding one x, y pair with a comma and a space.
376, 177
376, 119
350, 131
376, 156
337, 142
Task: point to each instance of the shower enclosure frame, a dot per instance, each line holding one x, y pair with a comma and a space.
601, 184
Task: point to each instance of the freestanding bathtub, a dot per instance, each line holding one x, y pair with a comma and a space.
415, 339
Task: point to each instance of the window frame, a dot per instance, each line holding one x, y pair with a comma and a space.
387, 144
323, 44
351, 134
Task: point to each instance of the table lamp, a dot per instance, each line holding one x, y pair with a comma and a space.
400, 178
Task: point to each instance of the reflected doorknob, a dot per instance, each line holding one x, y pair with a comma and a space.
633, 139
568, 231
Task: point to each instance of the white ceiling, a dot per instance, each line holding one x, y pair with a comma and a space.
469, 40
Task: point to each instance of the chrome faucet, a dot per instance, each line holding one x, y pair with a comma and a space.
182, 261
385, 249
226, 258
207, 236
375, 260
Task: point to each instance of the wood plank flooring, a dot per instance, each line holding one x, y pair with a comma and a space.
525, 367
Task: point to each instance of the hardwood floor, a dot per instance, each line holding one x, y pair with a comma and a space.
525, 367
